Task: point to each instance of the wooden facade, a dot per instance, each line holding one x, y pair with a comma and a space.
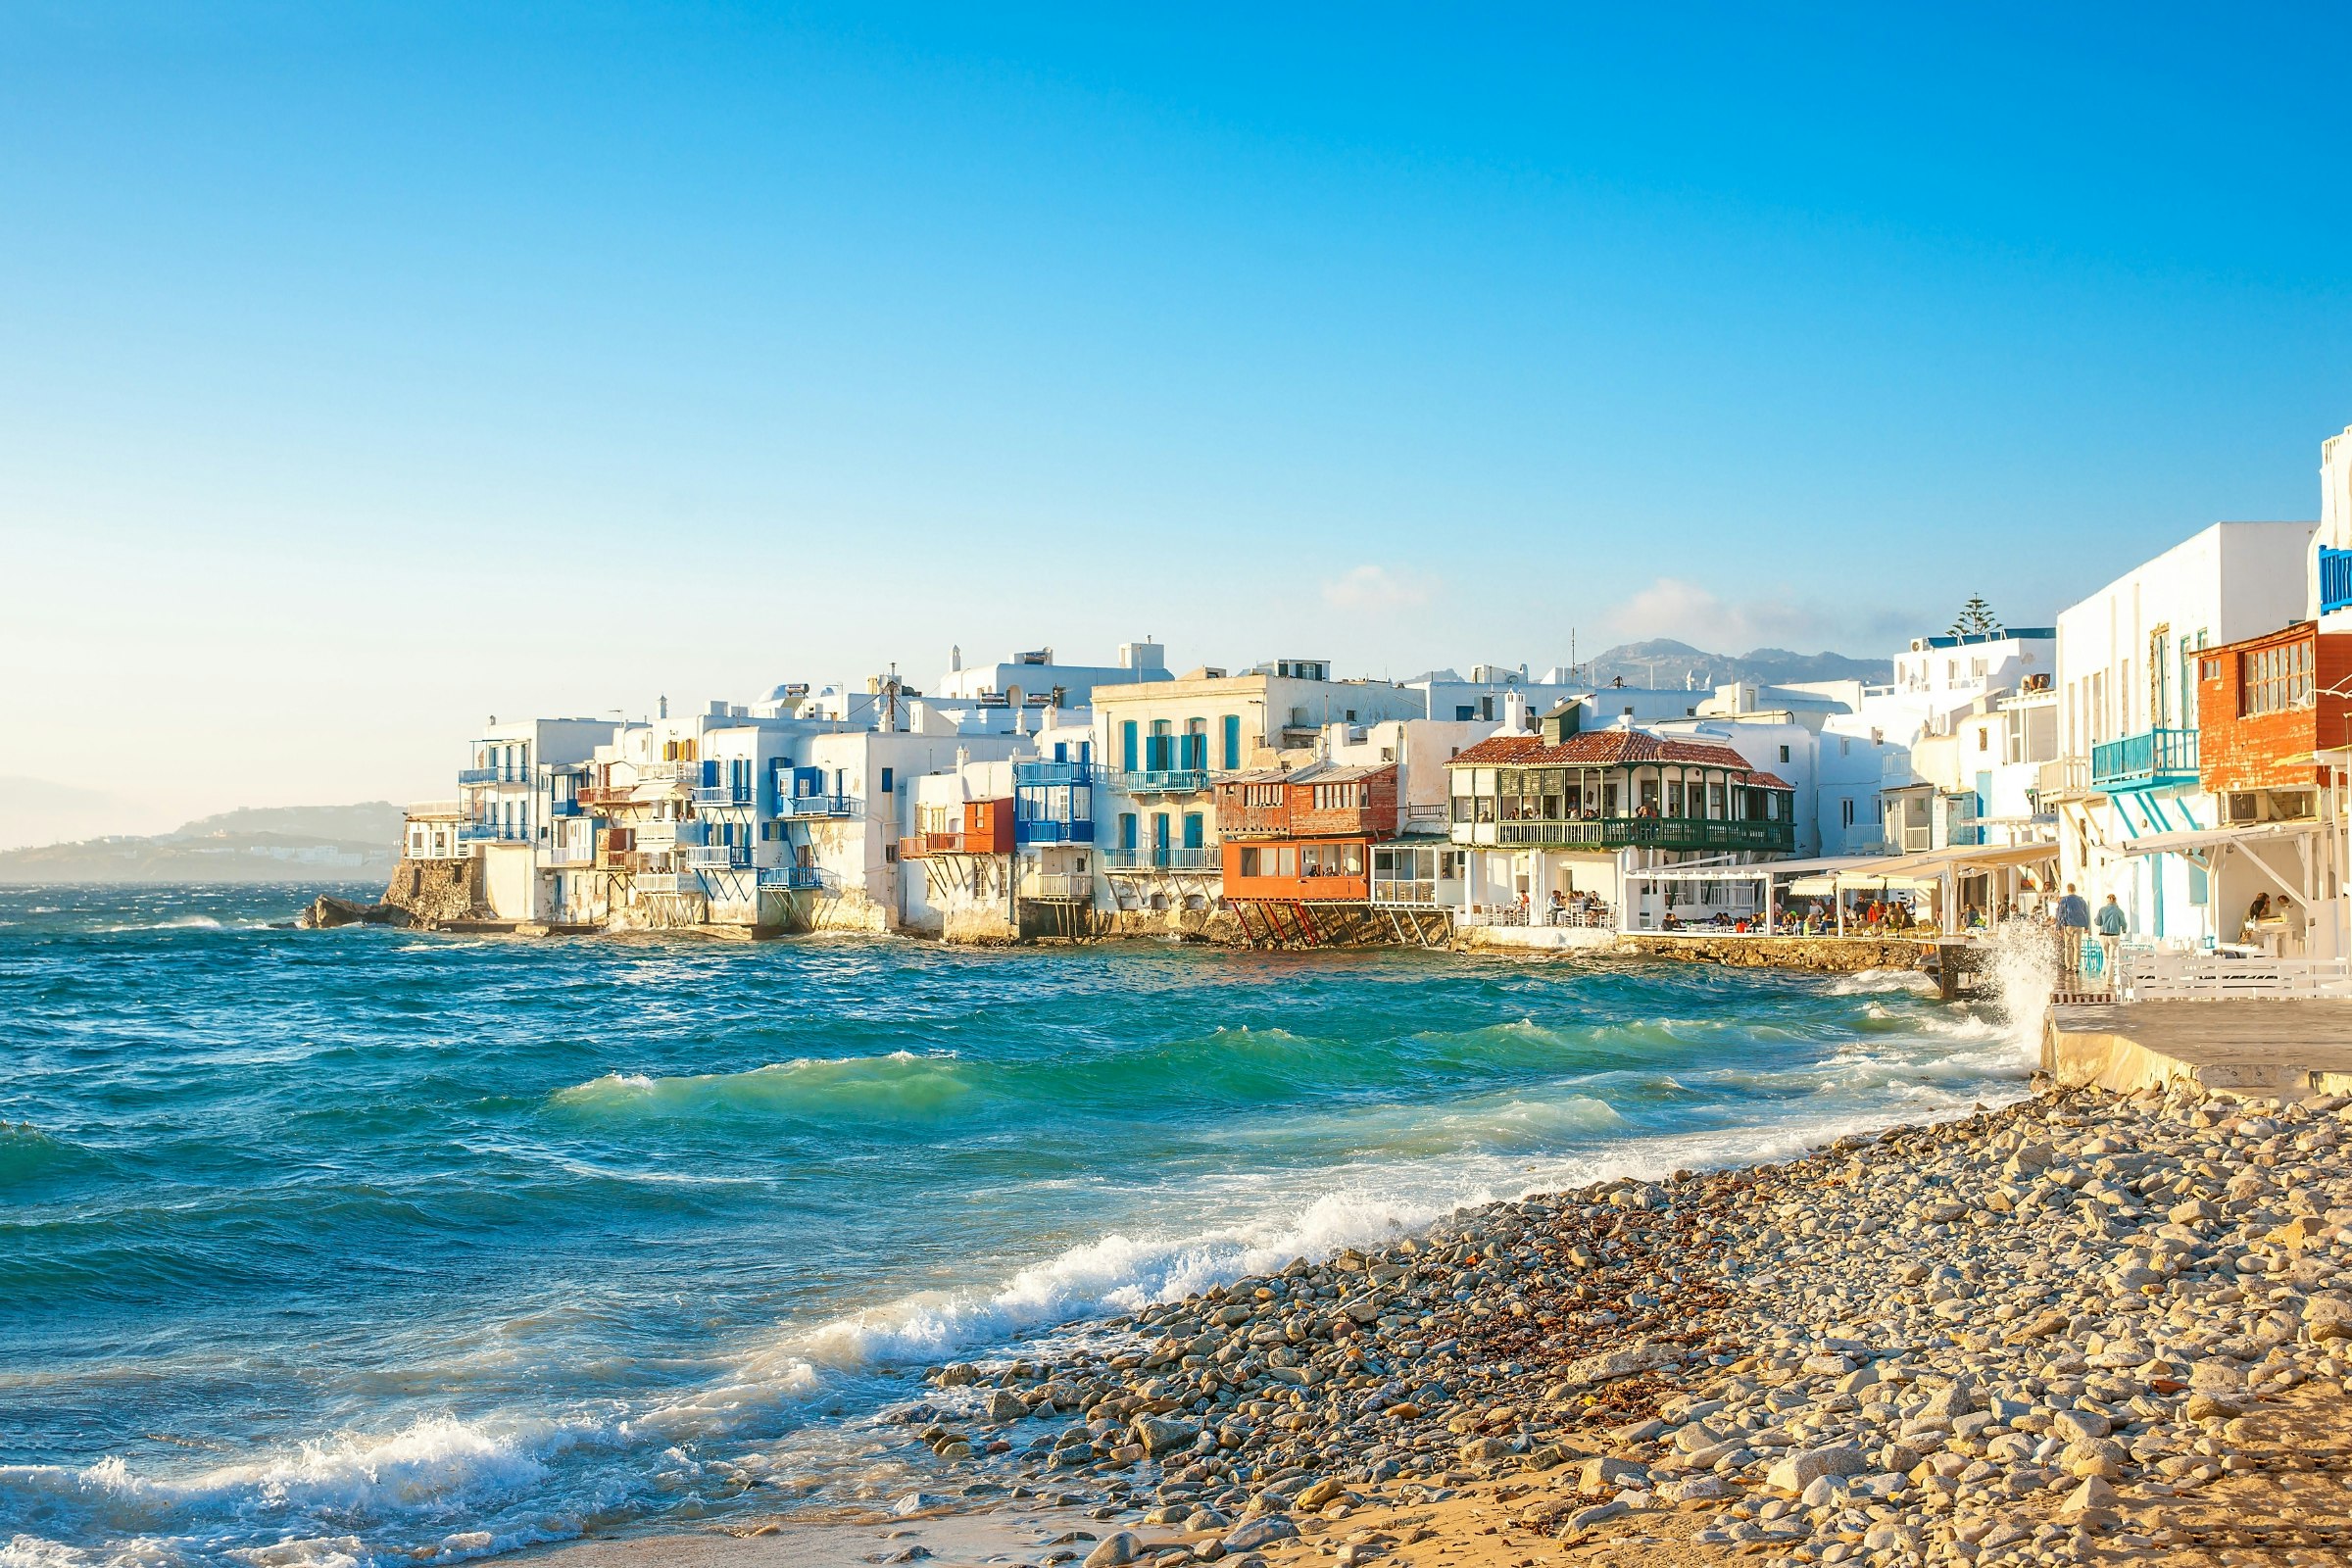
2267, 704
1612, 789
981, 827
1306, 835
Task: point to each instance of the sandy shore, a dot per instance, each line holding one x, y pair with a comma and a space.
2076, 1329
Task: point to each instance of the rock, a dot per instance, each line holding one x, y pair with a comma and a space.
2211, 1407
1114, 1551
1314, 1497
1694, 1488
1616, 1364
1799, 1470
1158, 1434
1598, 1513
2091, 1505
1263, 1530
2077, 1426
1594, 1474
915, 1502
1001, 1406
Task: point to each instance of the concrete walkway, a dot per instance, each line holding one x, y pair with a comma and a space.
2292, 1049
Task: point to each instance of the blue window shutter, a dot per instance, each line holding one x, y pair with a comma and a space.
886, 781
1232, 740
1061, 751
1126, 830
1192, 830
1127, 746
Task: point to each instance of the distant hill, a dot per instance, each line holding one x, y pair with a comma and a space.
256, 844
1663, 661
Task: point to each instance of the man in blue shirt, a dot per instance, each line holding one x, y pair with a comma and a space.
2073, 924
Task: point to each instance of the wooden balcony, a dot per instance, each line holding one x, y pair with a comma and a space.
2153, 758
1612, 833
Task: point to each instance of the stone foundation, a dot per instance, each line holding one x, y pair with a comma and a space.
431, 891
1823, 954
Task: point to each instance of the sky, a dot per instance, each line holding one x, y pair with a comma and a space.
369, 371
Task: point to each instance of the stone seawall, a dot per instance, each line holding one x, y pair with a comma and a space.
1823, 954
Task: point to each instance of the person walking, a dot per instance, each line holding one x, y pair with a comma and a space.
2113, 924
2073, 924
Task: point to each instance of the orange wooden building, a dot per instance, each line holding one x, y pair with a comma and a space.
983, 828
2264, 707
1304, 835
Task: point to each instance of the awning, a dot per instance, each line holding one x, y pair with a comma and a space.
2196, 840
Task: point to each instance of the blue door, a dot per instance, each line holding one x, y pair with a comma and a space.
1159, 838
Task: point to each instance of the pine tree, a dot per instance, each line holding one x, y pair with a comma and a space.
1976, 618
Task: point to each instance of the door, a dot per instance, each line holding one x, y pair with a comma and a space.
1159, 838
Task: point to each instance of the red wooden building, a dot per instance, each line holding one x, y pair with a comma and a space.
2264, 707
1303, 837
983, 828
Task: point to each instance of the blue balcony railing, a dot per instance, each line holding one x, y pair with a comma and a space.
722, 795
493, 833
1047, 774
2335, 580
2153, 758
817, 805
1161, 859
792, 879
1052, 830
565, 808
493, 776
1164, 781
718, 857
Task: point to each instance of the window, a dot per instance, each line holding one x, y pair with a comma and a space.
1984, 739
1784, 753
2271, 680
1248, 861
1193, 828
886, 778
1127, 749
1126, 830
1463, 712
1232, 740
1845, 813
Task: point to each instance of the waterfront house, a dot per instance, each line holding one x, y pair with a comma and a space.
2272, 712
956, 866
1164, 744
2127, 691
1056, 856
1567, 810
1295, 841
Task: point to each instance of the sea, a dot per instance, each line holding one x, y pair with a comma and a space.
364, 1247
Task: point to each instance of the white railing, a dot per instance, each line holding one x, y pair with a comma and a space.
432, 809
2226, 976
669, 882
1058, 885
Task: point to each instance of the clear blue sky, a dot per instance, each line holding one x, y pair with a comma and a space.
370, 369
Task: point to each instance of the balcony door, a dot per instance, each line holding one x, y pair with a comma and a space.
1159, 838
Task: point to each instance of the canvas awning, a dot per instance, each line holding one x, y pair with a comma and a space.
2196, 841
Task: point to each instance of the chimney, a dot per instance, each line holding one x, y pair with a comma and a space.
665, 708
1514, 713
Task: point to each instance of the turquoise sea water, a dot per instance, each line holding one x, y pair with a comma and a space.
362, 1247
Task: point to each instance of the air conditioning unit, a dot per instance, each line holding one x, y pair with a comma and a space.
2242, 807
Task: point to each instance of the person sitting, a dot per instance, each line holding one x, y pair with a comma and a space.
1559, 907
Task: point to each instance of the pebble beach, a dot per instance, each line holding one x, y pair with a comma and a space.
2075, 1328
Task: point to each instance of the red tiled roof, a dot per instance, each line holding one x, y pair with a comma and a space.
1602, 748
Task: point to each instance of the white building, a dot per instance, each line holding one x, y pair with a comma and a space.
2127, 712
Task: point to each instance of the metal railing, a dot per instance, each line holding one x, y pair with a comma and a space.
2171, 976
1041, 775
1649, 832
483, 832
1164, 781
1052, 830
817, 805
722, 795
2152, 757
669, 882
556, 807
1406, 893
494, 775
792, 879
1161, 859
2335, 580
719, 856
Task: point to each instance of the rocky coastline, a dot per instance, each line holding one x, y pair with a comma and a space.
2075, 1328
